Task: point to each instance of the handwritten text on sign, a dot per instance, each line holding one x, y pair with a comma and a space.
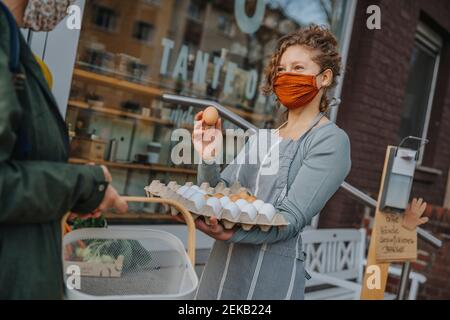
395, 243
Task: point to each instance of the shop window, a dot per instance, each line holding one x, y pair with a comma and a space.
424, 64
143, 31
115, 113
105, 18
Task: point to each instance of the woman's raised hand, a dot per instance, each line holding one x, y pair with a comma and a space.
207, 140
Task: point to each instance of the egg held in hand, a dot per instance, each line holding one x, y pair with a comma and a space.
210, 116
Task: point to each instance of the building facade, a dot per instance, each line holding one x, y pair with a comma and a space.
397, 84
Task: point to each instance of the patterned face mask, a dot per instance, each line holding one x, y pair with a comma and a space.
44, 15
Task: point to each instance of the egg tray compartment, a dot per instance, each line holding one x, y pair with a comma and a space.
158, 189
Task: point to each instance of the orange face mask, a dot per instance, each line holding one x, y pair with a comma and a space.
295, 90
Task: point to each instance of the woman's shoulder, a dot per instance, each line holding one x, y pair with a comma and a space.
329, 134
333, 143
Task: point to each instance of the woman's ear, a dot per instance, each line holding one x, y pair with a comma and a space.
327, 78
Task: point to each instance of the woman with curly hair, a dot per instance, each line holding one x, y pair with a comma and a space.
313, 160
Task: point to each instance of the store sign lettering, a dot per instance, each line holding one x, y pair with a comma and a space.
180, 70
249, 24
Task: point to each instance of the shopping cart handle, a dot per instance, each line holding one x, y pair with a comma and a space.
186, 214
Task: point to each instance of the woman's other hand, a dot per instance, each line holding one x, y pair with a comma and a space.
207, 140
214, 230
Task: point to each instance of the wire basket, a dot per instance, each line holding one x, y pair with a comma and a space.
129, 263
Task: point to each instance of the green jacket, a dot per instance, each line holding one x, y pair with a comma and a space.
37, 186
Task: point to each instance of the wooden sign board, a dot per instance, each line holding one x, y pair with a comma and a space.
389, 242
394, 242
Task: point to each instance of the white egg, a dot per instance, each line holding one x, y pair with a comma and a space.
194, 194
204, 186
189, 193
172, 185
258, 204
250, 210
224, 201
233, 209
199, 200
182, 190
268, 210
215, 204
241, 203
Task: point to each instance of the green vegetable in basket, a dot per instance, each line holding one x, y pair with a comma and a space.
107, 259
79, 223
83, 254
107, 251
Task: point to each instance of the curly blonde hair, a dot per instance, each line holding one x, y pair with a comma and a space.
313, 37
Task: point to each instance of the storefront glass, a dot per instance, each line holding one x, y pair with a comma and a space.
131, 52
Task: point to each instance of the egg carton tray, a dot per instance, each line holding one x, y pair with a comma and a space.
243, 217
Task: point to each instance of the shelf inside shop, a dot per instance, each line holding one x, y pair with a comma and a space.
153, 91
115, 82
116, 112
135, 166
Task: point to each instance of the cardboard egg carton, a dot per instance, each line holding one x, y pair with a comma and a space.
227, 217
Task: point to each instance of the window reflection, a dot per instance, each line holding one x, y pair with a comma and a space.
193, 47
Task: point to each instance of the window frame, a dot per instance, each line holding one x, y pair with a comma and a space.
428, 40
114, 16
136, 27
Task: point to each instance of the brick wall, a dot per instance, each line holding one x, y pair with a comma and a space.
372, 103
436, 263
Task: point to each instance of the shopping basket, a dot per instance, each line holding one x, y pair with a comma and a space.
130, 263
